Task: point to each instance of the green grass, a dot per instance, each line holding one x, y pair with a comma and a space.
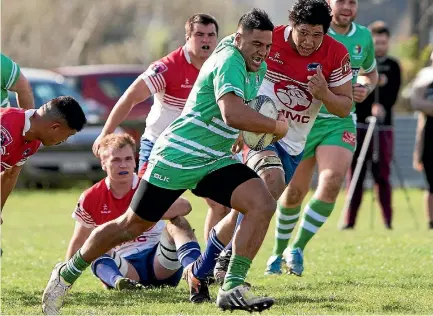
366, 271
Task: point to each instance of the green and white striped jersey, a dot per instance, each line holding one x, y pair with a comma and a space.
359, 44
199, 137
10, 73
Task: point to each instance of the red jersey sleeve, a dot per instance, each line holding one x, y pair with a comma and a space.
341, 68
83, 212
155, 76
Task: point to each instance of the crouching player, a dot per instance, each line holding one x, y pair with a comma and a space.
154, 258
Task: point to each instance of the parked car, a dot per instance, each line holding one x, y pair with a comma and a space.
106, 84
72, 160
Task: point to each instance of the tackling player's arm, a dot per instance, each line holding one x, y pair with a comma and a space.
8, 181
80, 235
24, 93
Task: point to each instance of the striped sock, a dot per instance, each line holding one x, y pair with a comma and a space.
188, 253
315, 214
286, 222
205, 263
73, 268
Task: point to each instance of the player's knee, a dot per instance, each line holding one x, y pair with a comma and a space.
265, 210
294, 195
182, 207
179, 222
274, 179
330, 184
217, 209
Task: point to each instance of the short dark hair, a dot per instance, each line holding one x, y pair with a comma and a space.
68, 109
313, 12
200, 18
379, 27
256, 19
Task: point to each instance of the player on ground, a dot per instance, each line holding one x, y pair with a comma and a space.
151, 259
14, 80
194, 153
330, 144
170, 80
23, 132
306, 68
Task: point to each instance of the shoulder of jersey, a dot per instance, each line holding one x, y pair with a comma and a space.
174, 58
362, 29
95, 191
331, 44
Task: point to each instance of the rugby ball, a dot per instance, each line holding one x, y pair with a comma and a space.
265, 106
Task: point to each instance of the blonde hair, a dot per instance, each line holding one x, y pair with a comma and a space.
117, 141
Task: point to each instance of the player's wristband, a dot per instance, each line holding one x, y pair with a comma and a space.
280, 127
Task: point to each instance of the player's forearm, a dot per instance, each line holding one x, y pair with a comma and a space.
24, 93
422, 105
339, 105
246, 119
8, 181
369, 79
73, 247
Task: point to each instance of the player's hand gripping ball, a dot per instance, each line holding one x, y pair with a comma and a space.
265, 106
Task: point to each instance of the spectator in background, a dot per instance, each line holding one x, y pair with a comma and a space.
13, 80
379, 103
422, 101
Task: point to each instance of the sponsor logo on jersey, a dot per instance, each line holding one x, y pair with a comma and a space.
293, 95
346, 67
105, 209
156, 68
313, 66
161, 178
6, 137
26, 152
349, 138
186, 85
276, 58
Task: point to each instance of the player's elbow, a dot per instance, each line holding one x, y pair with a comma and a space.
344, 109
232, 119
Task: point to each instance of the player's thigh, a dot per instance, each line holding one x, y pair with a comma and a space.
299, 184
236, 186
333, 163
268, 165
180, 207
151, 202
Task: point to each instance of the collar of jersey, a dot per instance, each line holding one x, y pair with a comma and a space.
185, 52
27, 115
351, 32
135, 180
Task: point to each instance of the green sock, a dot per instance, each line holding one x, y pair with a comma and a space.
286, 222
315, 214
237, 272
73, 268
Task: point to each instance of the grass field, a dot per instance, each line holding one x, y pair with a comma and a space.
366, 271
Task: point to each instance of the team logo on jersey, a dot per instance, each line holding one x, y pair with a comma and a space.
105, 209
349, 138
186, 85
313, 66
5, 137
357, 49
293, 95
276, 58
156, 68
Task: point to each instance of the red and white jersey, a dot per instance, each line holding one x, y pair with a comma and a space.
15, 123
97, 205
287, 84
170, 80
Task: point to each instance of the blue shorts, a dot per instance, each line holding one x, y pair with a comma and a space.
143, 264
145, 149
290, 163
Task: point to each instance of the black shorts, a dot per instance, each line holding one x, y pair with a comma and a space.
427, 160
150, 202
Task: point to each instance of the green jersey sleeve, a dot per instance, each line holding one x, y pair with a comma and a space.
370, 61
10, 72
229, 76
